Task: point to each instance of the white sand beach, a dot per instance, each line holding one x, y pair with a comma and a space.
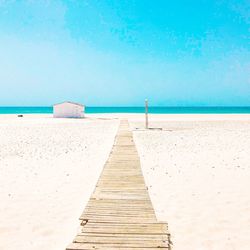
198, 175
196, 168
48, 168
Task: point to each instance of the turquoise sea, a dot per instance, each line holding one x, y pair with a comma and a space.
153, 110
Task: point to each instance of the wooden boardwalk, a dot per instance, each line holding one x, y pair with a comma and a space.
119, 214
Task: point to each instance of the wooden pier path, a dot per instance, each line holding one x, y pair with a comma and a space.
119, 214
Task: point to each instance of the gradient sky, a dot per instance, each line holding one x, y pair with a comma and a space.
119, 52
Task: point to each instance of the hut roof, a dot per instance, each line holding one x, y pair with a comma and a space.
75, 103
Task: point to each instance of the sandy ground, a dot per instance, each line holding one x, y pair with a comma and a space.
48, 170
197, 169
198, 173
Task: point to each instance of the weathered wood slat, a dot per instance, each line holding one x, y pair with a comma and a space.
126, 228
119, 214
79, 246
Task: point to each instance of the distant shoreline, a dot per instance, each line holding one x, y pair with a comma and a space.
133, 110
136, 117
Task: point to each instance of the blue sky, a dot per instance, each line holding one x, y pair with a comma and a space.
117, 53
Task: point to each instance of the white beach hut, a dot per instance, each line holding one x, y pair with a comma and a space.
68, 110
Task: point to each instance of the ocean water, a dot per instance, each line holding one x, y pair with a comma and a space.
152, 110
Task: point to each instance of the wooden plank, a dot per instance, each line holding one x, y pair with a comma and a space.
116, 241
119, 214
78, 246
125, 228
120, 245
125, 236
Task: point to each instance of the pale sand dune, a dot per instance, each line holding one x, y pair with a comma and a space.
48, 169
198, 173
